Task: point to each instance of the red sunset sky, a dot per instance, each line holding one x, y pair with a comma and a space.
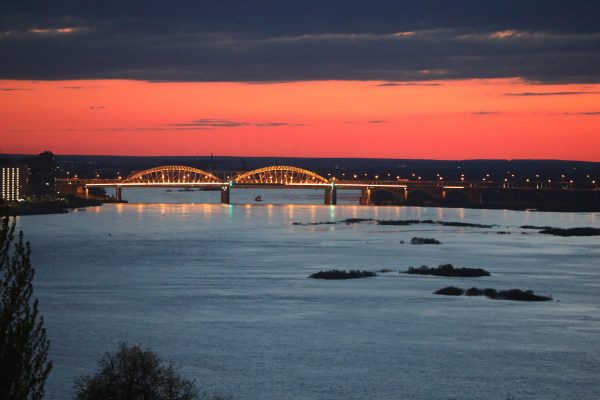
451, 119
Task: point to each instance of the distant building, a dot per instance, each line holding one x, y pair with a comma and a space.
41, 177
12, 183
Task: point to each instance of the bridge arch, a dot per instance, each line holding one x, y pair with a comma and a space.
456, 197
172, 174
280, 175
384, 196
421, 195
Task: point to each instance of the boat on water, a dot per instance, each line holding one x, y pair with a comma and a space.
258, 198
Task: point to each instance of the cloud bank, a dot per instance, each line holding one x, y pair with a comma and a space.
272, 41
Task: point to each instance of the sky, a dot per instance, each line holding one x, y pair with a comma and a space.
392, 79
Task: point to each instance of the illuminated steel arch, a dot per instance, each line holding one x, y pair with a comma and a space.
280, 175
172, 174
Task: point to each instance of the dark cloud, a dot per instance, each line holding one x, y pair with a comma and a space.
525, 94
394, 84
208, 123
377, 121
72, 87
12, 89
485, 113
97, 107
268, 41
583, 113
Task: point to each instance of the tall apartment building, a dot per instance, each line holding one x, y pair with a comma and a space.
12, 180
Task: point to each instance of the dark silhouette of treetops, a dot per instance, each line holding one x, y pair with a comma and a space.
24, 364
134, 373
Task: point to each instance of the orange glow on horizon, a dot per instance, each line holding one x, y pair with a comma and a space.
500, 119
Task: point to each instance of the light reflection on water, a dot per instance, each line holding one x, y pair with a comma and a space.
222, 290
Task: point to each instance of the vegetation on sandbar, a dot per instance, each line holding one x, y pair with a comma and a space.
448, 270
564, 232
418, 240
571, 232
450, 291
511, 294
342, 274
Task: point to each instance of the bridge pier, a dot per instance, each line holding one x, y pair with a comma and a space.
331, 196
365, 196
118, 194
225, 195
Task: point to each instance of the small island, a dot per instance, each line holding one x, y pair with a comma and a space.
450, 291
564, 232
448, 270
511, 294
418, 240
342, 274
584, 231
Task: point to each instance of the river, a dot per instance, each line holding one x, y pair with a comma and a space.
222, 290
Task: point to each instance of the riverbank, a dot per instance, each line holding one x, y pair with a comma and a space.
50, 207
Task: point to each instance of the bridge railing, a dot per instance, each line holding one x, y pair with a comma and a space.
540, 185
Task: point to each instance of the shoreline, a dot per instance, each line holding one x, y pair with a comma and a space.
49, 207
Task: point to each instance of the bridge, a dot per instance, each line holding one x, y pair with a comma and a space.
399, 191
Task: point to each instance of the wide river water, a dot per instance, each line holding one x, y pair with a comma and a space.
223, 292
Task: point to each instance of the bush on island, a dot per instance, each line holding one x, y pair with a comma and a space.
338, 274
511, 294
448, 270
418, 240
450, 291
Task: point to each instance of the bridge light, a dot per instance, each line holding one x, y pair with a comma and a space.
355, 176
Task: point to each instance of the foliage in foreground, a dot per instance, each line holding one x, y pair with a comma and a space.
24, 364
134, 373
